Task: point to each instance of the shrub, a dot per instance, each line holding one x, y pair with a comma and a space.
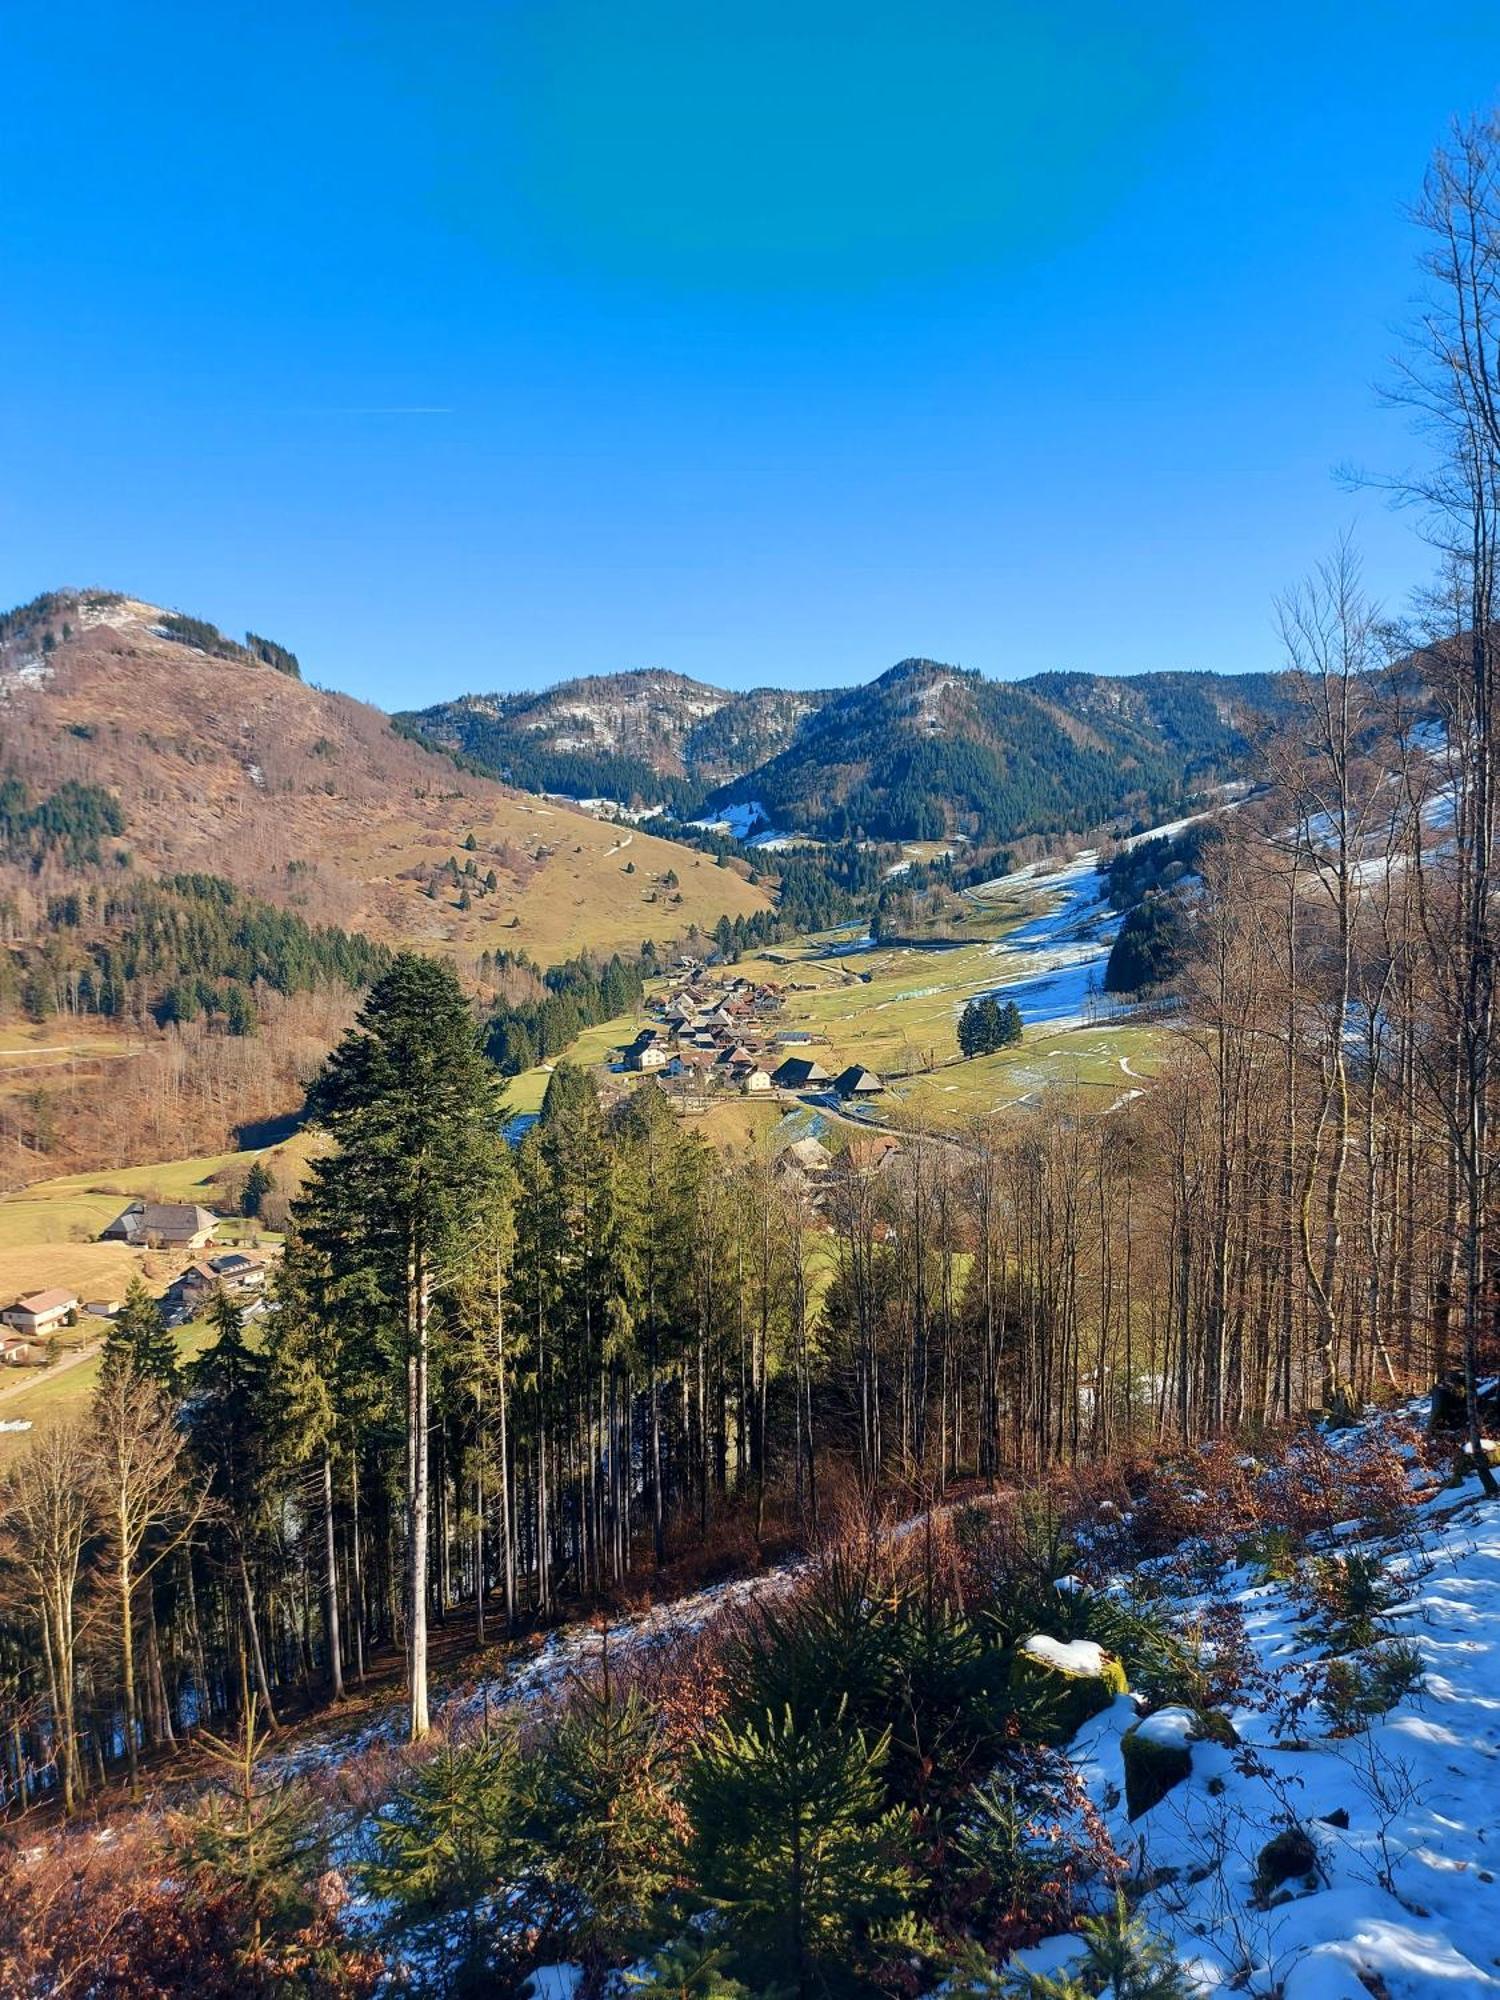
574, 1828
1353, 1691
690, 1969
894, 1661
1351, 1592
1124, 1958
1017, 1858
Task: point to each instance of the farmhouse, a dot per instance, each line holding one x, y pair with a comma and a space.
857, 1081
799, 1073
16, 1351
651, 1056
173, 1225
237, 1272
754, 1080
36, 1314
234, 1273
871, 1155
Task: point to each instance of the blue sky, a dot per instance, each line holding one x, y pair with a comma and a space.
469, 346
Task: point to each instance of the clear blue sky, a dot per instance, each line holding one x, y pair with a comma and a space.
468, 346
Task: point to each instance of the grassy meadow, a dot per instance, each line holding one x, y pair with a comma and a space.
895, 1008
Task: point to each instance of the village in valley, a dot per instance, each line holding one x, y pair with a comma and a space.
749, 1002
720, 1031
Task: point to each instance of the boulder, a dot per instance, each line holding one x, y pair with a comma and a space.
1288, 1856
1158, 1754
1076, 1677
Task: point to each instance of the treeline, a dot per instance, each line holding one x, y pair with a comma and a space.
49, 615
490, 748
207, 638
69, 823
1149, 948
579, 994
816, 887
185, 946
1146, 866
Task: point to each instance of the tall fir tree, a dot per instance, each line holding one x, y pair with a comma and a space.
413, 1109
230, 1416
138, 1342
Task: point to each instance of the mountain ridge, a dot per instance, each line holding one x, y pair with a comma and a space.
223, 759
922, 751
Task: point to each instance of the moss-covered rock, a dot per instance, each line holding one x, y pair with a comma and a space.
1212, 1725
1288, 1856
1158, 1754
1074, 1678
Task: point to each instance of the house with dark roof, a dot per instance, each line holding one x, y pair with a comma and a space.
799, 1073
857, 1081
170, 1225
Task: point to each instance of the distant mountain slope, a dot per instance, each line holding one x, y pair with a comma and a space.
924, 751
221, 759
928, 750
644, 738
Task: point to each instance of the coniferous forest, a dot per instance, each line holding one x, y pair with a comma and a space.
936, 1395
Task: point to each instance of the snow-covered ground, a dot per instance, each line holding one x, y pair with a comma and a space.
1053, 965
1403, 1812
741, 819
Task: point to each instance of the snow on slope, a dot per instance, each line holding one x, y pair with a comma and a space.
1054, 962
1405, 1902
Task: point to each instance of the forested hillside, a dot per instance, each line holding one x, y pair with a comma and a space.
216, 757
643, 739
922, 752
204, 860
928, 750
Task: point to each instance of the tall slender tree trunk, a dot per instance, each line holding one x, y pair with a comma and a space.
331, 1587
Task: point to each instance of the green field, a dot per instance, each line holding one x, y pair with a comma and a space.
53, 1395
896, 1008
49, 1234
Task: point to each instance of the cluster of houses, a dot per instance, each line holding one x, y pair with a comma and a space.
29, 1324
722, 1035
716, 1035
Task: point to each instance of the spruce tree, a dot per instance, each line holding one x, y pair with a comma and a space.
259, 1182
230, 1416
792, 1842
414, 1111
138, 1341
